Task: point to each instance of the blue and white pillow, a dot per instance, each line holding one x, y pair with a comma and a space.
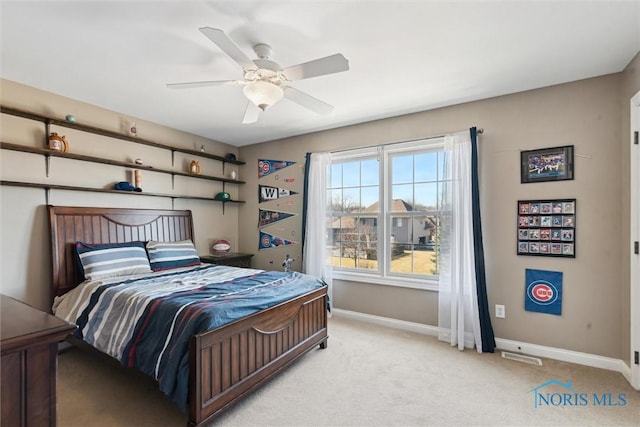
167, 255
100, 261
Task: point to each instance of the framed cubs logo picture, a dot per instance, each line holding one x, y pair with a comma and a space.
543, 291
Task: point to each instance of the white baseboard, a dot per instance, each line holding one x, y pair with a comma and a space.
563, 355
387, 321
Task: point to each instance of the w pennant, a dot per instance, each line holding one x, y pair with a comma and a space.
266, 193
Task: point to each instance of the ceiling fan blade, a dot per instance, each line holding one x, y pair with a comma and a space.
251, 114
318, 67
228, 46
189, 85
307, 101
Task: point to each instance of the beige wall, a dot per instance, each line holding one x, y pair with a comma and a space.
25, 244
591, 114
586, 114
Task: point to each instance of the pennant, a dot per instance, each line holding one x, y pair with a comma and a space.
266, 193
266, 217
270, 241
267, 167
543, 291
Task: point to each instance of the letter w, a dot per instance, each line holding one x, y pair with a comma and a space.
269, 193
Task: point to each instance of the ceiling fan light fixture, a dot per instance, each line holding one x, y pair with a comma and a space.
263, 94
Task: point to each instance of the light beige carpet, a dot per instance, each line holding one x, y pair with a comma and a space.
368, 376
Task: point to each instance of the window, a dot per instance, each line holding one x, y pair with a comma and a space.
386, 213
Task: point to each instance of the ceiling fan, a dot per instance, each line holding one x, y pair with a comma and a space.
264, 81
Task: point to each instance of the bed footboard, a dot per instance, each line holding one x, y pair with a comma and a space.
231, 361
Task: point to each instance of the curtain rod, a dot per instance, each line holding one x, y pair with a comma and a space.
479, 131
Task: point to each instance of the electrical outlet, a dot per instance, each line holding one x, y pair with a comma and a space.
500, 311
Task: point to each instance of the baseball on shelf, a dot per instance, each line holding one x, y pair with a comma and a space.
221, 246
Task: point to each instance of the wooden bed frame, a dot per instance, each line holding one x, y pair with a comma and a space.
225, 364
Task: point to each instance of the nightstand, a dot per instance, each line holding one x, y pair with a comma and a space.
29, 341
233, 259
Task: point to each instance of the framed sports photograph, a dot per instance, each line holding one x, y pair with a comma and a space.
547, 164
541, 233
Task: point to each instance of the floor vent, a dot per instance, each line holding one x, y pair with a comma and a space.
521, 358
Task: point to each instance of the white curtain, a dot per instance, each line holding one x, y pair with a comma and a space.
318, 239
458, 319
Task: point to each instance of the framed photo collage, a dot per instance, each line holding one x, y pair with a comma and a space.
547, 227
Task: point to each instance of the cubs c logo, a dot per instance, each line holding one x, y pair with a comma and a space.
542, 292
264, 166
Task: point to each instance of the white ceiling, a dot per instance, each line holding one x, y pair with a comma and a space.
404, 56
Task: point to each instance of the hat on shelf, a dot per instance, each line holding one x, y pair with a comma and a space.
126, 186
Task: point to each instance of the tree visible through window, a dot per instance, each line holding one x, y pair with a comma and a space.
386, 209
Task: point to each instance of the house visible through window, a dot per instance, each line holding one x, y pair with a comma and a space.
386, 212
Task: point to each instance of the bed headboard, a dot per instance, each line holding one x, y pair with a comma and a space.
70, 224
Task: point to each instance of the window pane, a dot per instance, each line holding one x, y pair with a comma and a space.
401, 245
402, 192
355, 243
426, 231
426, 197
367, 244
351, 199
426, 167
442, 172
336, 200
414, 248
351, 174
434, 244
370, 172
336, 175
414, 261
370, 197
441, 187
401, 229
401, 169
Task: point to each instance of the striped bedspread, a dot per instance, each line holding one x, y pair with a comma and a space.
145, 321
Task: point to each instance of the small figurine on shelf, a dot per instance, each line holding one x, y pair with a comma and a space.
194, 167
133, 130
137, 179
58, 143
287, 263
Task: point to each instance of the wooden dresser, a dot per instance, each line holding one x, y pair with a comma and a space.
29, 347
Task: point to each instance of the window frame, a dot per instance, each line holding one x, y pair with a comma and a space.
383, 275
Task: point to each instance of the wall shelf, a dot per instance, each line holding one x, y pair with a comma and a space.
106, 190
111, 134
53, 153
48, 153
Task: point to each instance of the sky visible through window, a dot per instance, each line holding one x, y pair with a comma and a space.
355, 183
414, 179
